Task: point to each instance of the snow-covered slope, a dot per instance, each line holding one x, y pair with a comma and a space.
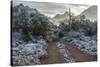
90, 13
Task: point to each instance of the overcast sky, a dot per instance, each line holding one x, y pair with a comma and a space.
51, 9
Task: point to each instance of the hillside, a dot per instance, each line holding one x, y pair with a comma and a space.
60, 17
90, 13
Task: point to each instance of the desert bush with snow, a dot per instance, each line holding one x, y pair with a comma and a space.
28, 53
36, 35
87, 44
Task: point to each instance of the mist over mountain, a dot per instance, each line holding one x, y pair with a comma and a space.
90, 14
60, 17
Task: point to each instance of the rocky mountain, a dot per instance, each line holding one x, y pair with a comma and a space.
60, 17
90, 13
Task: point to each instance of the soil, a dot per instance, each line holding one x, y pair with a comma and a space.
55, 57
79, 55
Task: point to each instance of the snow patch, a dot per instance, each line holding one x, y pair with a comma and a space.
28, 53
65, 53
87, 44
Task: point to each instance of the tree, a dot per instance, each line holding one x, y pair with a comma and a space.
82, 17
39, 25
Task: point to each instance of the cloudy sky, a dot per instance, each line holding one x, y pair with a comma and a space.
51, 9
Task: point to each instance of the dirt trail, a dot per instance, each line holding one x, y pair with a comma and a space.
53, 55
79, 55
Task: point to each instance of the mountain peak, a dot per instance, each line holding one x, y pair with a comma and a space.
90, 13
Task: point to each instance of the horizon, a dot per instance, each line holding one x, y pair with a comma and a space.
52, 9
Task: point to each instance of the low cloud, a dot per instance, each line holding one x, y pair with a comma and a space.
51, 9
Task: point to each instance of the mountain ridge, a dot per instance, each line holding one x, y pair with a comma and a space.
90, 13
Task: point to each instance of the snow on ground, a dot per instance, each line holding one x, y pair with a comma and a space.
87, 44
64, 53
27, 53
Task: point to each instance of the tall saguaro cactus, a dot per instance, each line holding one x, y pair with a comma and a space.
70, 18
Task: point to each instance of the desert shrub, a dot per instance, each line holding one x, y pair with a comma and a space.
64, 27
85, 25
91, 28
38, 24
34, 23
75, 25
